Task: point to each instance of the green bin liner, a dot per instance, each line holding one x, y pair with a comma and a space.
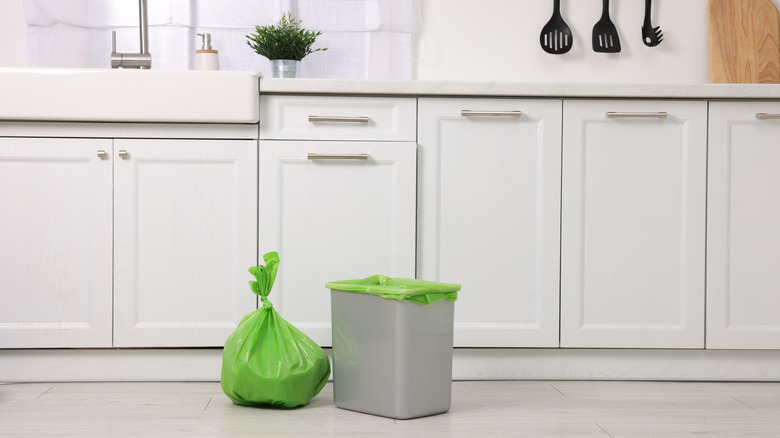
403, 289
267, 361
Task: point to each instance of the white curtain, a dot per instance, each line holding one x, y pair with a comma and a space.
366, 39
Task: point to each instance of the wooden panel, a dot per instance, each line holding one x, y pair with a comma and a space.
744, 42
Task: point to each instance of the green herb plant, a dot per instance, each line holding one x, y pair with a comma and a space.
283, 40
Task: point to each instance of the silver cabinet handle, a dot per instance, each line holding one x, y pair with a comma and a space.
123, 154
101, 153
311, 156
338, 119
767, 116
472, 113
618, 115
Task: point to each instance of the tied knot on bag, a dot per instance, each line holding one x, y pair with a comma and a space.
265, 277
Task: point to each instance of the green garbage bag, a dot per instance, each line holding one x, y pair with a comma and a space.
267, 361
402, 289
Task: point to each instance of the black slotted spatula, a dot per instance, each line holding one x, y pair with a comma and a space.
556, 35
605, 35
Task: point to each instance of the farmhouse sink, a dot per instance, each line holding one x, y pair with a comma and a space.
102, 95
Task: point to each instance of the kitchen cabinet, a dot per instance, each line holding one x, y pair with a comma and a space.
337, 195
743, 237
489, 215
55, 255
184, 237
633, 223
566, 227
125, 242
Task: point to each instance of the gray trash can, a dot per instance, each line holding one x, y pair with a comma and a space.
392, 346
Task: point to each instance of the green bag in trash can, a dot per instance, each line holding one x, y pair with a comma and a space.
402, 289
267, 361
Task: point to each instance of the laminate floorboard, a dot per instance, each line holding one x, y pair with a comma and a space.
479, 408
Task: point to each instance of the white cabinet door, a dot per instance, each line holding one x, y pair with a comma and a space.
55, 243
185, 235
743, 221
489, 215
633, 224
334, 219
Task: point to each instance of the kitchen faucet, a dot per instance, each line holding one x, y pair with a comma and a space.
142, 60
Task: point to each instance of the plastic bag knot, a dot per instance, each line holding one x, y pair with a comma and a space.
265, 275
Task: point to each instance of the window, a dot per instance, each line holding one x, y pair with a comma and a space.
366, 39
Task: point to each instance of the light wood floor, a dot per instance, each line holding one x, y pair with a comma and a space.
506, 409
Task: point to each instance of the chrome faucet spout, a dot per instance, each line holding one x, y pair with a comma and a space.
143, 24
142, 59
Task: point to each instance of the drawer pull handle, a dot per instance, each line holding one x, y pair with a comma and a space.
337, 156
767, 116
123, 154
101, 153
472, 113
338, 119
617, 115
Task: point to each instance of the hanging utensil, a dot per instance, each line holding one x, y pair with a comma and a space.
605, 35
556, 37
651, 36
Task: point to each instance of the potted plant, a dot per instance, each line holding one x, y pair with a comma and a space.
285, 44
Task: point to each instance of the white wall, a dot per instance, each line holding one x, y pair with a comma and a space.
499, 40
13, 34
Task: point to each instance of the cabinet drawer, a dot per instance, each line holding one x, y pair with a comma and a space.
338, 118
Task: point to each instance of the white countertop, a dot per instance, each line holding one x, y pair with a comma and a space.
520, 89
165, 96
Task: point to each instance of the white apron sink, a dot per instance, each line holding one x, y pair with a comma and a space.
102, 95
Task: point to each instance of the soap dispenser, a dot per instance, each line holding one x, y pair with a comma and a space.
206, 58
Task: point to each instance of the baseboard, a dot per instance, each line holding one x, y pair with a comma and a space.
204, 364
616, 364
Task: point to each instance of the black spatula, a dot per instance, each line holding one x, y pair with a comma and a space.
605, 35
556, 36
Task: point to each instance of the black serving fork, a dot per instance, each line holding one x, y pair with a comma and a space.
651, 36
605, 35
